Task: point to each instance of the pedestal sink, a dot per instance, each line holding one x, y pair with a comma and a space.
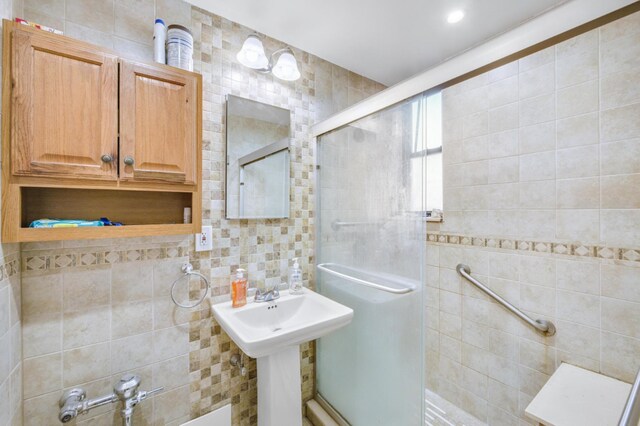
272, 332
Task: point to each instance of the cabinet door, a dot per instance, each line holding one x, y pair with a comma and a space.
64, 101
158, 123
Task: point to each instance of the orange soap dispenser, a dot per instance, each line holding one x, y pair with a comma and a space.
239, 289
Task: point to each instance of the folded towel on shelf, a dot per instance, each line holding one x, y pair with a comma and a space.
64, 223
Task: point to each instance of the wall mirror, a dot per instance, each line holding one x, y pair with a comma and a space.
257, 175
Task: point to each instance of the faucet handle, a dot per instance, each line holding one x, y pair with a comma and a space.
258, 295
252, 292
142, 395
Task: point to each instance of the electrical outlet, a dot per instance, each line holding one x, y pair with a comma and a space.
204, 241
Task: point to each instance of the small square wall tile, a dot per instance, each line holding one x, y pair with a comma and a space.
578, 99
619, 123
538, 166
578, 225
577, 59
537, 138
621, 317
583, 193
620, 282
578, 162
620, 356
503, 170
93, 13
578, 130
618, 54
85, 364
620, 192
619, 228
503, 91
42, 374
537, 224
537, 109
537, 81
620, 157
617, 90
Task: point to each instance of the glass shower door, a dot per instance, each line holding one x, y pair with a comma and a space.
371, 239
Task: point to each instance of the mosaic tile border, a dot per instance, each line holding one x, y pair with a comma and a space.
568, 249
9, 268
84, 257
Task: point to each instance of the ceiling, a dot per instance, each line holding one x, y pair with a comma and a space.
387, 41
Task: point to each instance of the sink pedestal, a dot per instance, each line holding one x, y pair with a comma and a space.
279, 388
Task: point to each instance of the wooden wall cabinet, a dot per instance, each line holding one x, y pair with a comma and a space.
87, 134
157, 124
64, 115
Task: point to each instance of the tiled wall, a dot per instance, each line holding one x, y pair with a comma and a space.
541, 199
91, 314
93, 309
10, 336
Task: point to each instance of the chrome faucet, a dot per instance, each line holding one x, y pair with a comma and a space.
267, 295
73, 402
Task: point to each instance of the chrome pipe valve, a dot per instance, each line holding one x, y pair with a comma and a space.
73, 402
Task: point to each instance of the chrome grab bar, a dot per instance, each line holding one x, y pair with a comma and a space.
631, 413
337, 224
326, 268
543, 326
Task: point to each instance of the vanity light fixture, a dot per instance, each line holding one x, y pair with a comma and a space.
455, 16
252, 55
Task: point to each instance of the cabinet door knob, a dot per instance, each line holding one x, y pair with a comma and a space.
107, 158
128, 160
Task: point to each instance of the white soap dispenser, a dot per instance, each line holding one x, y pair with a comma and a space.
295, 278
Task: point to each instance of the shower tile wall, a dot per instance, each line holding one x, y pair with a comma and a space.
94, 309
541, 177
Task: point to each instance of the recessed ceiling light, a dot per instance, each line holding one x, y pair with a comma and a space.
455, 16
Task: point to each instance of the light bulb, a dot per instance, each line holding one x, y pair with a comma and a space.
287, 67
252, 53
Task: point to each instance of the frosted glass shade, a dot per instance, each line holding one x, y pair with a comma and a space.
252, 54
287, 67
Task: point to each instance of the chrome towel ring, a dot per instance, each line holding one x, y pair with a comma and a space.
187, 268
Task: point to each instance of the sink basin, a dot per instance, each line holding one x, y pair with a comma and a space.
262, 329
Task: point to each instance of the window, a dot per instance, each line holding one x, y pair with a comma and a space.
427, 150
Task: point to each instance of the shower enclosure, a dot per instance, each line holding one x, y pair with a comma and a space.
370, 254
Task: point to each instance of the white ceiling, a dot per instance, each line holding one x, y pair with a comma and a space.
387, 41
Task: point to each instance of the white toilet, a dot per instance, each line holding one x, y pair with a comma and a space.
220, 417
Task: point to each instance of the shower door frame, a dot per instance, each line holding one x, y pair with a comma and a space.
326, 406
333, 413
